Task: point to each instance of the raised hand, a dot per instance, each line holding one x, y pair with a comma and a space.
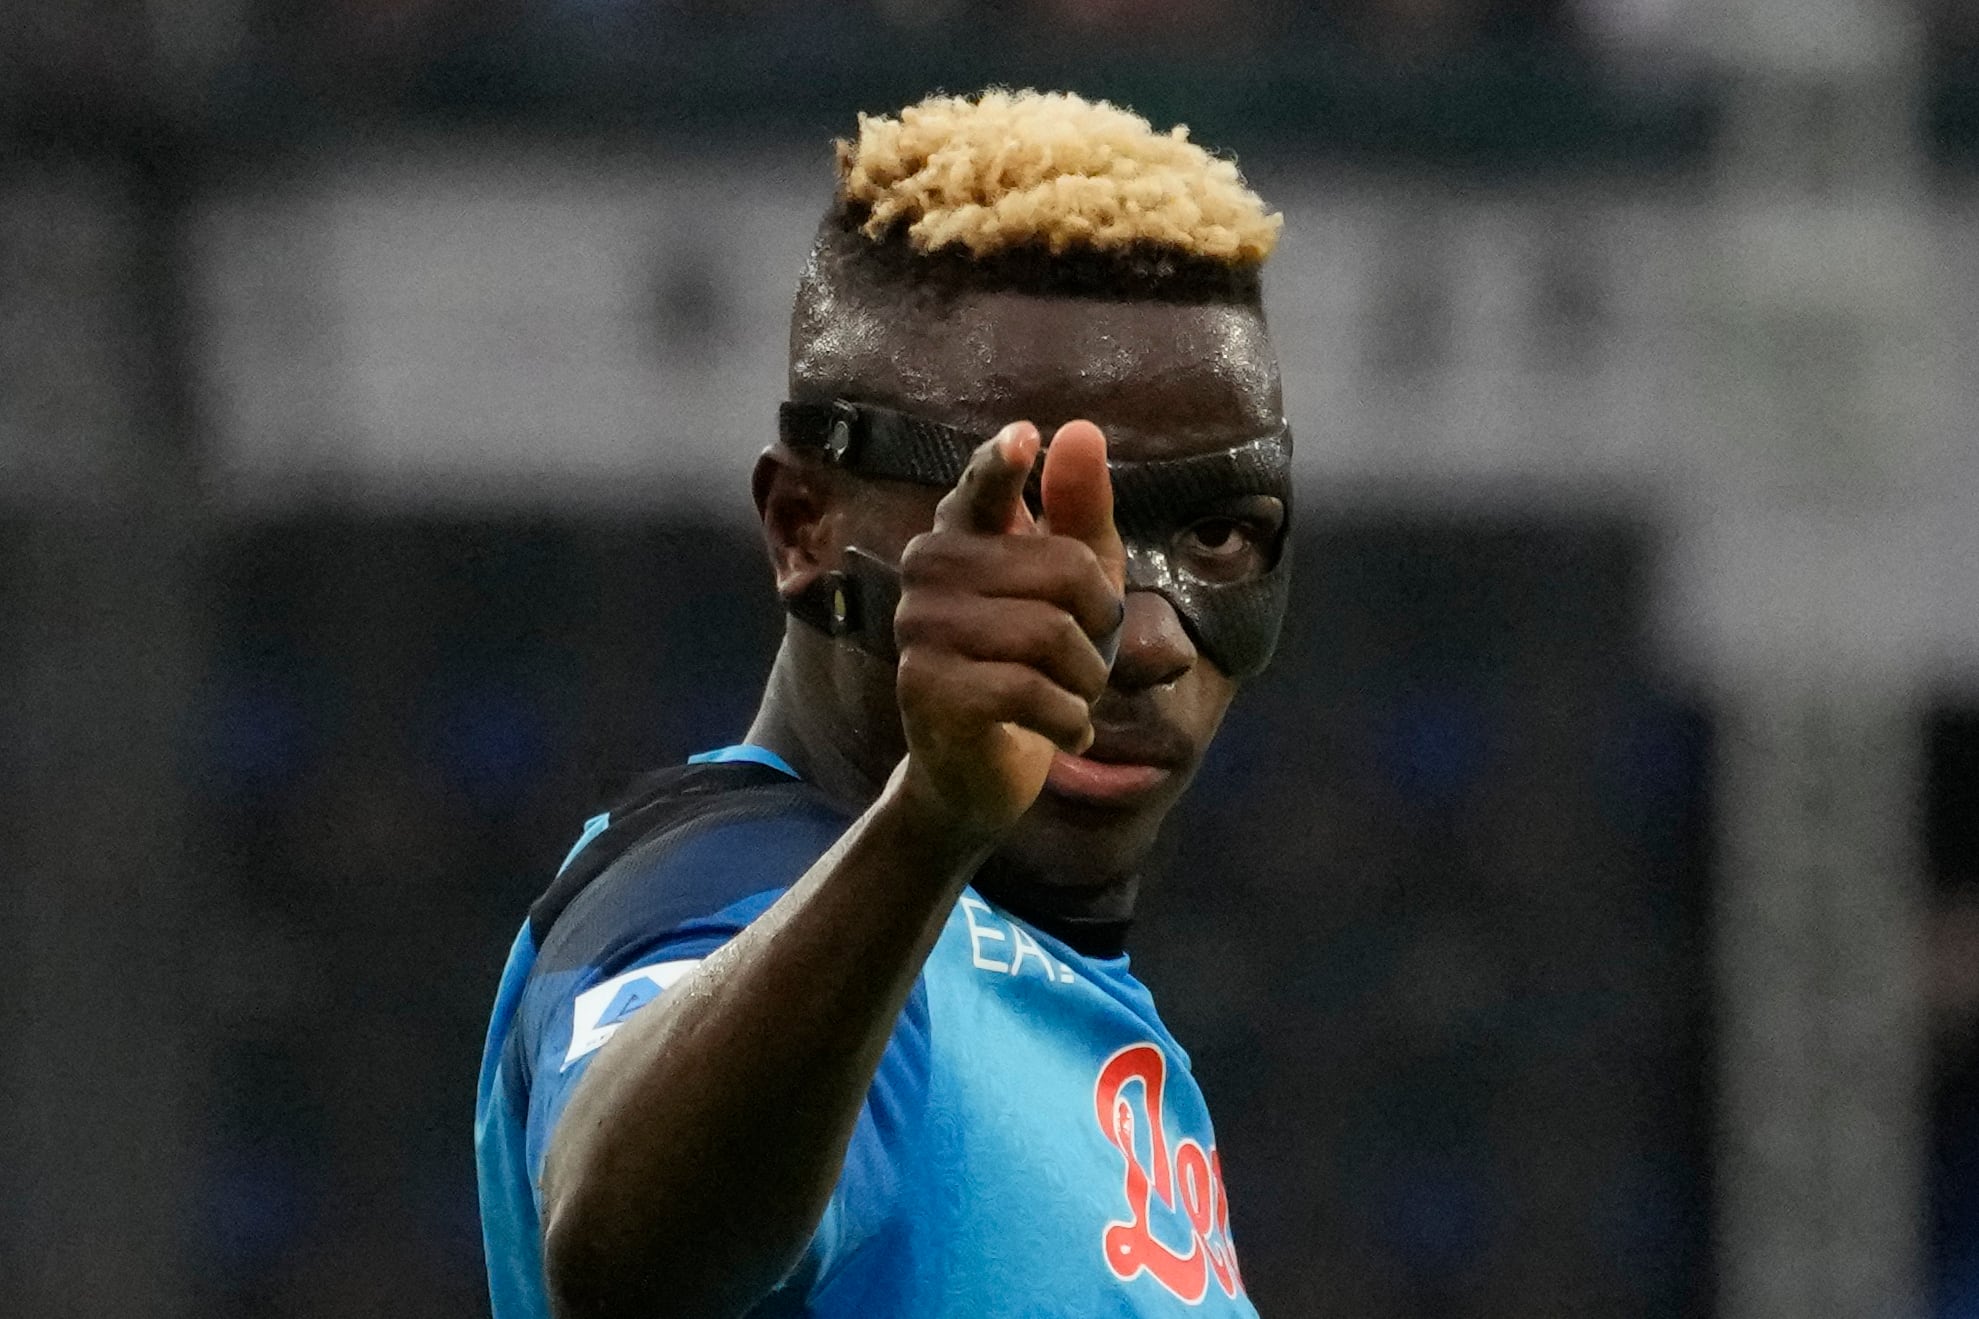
997, 620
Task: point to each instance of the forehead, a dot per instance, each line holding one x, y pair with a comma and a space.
1161, 379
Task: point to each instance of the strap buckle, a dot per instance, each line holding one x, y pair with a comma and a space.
855, 602
843, 439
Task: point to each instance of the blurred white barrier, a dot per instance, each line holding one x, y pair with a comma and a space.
1822, 561
459, 326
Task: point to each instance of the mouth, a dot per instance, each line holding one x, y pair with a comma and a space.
1121, 769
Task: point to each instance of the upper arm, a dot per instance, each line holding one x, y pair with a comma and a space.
568, 1017
633, 935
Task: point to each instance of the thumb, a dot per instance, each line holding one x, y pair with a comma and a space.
1078, 496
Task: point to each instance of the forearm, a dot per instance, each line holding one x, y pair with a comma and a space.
697, 1155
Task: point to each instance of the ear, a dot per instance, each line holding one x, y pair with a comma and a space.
796, 501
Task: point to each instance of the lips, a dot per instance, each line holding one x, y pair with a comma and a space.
1121, 768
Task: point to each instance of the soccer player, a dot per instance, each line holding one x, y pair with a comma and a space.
837, 1021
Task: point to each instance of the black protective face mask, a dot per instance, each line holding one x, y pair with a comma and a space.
1234, 623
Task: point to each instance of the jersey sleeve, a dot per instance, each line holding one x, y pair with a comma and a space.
642, 926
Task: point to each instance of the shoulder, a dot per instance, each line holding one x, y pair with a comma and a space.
696, 846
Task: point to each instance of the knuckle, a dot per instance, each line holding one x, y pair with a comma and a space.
926, 558
950, 507
1065, 709
1030, 628
1037, 689
1075, 707
1066, 633
1068, 718
911, 672
1099, 606
1093, 676
919, 550
1075, 558
913, 620
921, 676
1078, 574
1011, 684
1075, 658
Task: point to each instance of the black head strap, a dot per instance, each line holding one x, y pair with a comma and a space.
894, 446
855, 601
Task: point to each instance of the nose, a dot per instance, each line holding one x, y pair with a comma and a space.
1154, 646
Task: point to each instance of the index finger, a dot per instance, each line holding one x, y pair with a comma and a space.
989, 496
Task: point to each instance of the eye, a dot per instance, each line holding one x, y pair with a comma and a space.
1233, 543
1220, 537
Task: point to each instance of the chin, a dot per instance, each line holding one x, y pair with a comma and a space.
1070, 844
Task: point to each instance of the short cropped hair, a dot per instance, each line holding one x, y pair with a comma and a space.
1044, 192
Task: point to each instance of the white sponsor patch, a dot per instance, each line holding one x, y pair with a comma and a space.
602, 1009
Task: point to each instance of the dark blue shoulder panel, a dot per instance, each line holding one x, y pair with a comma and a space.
677, 855
652, 804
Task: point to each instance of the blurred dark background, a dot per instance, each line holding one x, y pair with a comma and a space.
1581, 918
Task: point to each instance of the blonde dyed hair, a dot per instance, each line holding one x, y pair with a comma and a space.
1004, 172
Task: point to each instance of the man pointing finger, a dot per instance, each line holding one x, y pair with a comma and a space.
837, 1021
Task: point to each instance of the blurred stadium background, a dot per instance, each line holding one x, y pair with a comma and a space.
1582, 919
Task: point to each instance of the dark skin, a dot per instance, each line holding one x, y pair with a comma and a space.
699, 1151
1161, 381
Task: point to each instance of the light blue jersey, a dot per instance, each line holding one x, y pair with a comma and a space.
1033, 1143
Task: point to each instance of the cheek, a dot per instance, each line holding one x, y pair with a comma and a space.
1197, 702
1208, 692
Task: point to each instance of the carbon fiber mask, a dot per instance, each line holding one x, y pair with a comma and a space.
1234, 623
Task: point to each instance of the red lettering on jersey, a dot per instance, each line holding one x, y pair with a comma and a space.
1193, 1175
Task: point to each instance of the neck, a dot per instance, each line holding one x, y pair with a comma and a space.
1093, 919
828, 726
